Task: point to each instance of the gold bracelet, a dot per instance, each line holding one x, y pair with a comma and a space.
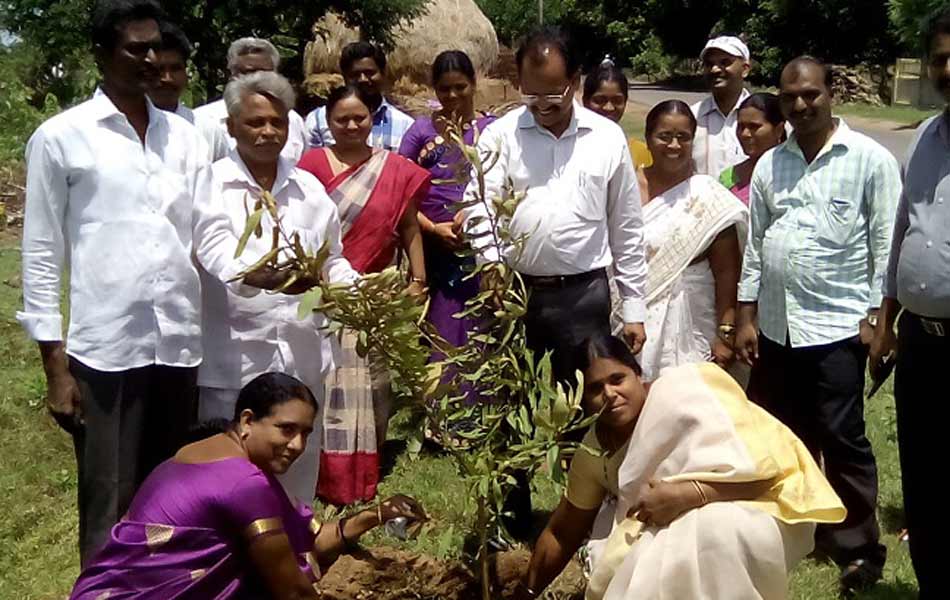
702, 494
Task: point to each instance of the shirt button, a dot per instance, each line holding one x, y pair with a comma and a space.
930, 244
923, 286
939, 200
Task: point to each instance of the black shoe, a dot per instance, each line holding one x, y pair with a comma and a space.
859, 575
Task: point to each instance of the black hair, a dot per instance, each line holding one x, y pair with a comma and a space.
206, 429
669, 107
805, 59
532, 48
767, 104
342, 93
452, 61
173, 38
606, 346
108, 16
937, 23
607, 72
358, 51
266, 391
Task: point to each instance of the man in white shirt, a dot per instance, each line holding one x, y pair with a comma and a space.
581, 212
247, 336
364, 65
120, 191
172, 62
245, 56
726, 64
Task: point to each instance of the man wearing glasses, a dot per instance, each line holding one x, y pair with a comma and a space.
725, 65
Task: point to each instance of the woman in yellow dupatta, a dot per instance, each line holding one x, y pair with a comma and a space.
686, 489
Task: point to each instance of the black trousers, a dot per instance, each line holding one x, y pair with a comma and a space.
134, 420
818, 392
560, 318
921, 396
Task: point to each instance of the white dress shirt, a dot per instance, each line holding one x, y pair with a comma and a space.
185, 113
125, 217
581, 211
212, 121
247, 336
716, 146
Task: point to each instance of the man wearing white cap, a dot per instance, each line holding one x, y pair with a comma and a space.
726, 65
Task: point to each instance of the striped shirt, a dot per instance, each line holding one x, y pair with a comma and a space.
389, 125
820, 237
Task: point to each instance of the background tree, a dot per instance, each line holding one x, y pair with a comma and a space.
908, 18
57, 32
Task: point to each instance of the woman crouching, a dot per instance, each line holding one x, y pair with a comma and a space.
689, 491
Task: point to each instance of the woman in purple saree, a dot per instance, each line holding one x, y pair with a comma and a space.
214, 522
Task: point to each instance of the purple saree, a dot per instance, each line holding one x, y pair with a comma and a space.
186, 534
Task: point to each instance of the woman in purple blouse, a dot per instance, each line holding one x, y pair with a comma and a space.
214, 522
453, 78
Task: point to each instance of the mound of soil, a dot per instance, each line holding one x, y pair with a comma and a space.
387, 574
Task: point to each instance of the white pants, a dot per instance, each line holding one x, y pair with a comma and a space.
300, 480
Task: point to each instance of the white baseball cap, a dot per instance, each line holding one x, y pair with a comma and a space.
728, 44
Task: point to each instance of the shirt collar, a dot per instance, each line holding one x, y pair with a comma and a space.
103, 108
382, 114
581, 118
840, 138
709, 105
233, 171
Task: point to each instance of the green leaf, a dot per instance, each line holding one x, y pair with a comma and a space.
308, 301
249, 228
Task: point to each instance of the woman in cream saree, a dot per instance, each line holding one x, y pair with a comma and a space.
692, 228
687, 490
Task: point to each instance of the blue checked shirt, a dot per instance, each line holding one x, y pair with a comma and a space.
389, 125
820, 237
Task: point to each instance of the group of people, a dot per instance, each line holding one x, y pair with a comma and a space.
754, 247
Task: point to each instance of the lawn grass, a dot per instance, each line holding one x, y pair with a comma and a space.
901, 115
38, 553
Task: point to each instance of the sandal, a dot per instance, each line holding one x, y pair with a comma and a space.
858, 575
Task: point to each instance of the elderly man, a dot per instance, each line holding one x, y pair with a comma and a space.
581, 212
246, 336
364, 65
172, 62
120, 191
918, 279
725, 65
247, 55
822, 211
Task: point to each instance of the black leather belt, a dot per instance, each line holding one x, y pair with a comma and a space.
937, 327
562, 281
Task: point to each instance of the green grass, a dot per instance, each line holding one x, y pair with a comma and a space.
901, 115
38, 553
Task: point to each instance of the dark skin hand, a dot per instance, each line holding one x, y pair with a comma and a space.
63, 400
269, 278
725, 260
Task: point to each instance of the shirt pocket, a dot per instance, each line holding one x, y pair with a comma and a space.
836, 220
588, 198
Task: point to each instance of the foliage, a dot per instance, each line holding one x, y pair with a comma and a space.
513, 18
17, 103
492, 394
58, 32
908, 17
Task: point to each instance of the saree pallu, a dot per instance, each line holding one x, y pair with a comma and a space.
371, 198
679, 227
151, 555
698, 425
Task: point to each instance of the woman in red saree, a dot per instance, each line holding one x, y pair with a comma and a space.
376, 194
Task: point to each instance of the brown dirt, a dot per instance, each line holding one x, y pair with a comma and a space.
387, 574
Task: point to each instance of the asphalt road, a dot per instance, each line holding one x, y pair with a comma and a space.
894, 139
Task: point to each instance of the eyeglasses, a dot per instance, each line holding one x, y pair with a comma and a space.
667, 138
555, 99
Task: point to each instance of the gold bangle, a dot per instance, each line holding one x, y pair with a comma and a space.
702, 494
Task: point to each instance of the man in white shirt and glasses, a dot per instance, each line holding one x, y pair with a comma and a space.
247, 55
726, 64
120, 191
581, 211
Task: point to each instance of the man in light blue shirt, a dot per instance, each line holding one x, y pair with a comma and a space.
364, 65
822, 211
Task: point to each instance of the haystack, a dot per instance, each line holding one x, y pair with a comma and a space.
448, 25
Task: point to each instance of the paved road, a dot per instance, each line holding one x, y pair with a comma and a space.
895, 140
